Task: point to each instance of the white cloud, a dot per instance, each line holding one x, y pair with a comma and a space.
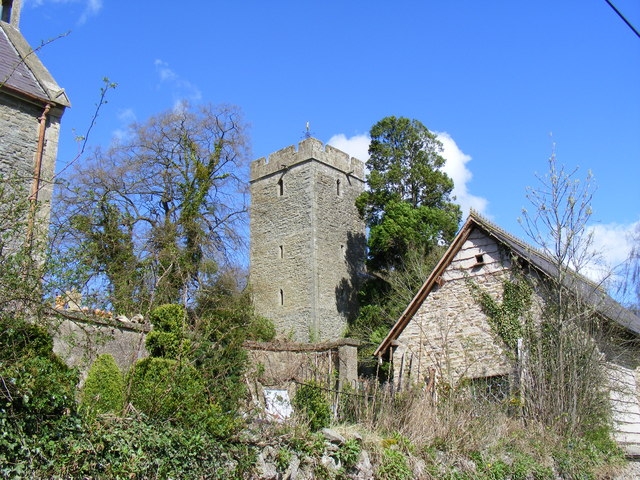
126, 117
182, 89
358, 146
91, 7
612, 244
456, 168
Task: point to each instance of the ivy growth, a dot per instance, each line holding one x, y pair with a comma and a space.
505, 318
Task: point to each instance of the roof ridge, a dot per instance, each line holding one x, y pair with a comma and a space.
543, 255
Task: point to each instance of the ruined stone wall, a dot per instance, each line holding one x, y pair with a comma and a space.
286, 365
78, 341
307, 240
450, 333
18, 146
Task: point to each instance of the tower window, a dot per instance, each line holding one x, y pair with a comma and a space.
281, 297
280, 187
281, 251
6, 10
338, 187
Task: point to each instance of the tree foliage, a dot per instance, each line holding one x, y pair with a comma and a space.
410, 214
153, 215
408, 202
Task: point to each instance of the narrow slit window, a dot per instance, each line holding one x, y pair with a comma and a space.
280, 187
281, 297
281, 251
338, 187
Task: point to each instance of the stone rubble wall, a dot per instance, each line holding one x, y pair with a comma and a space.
285, 365
79, 339
450, 332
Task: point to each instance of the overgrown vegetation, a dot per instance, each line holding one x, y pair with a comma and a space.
410, 214
103, 390
177, 414
508, 318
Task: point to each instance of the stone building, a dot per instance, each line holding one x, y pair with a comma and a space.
31, 105
444, 334
307, 240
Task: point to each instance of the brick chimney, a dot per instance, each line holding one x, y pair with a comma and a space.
11, 12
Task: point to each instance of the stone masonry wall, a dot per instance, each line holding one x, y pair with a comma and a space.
18, 145
78, 341
450, 333
286, 365
307, 240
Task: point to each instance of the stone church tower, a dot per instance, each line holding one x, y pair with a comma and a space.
31, 105
307, 240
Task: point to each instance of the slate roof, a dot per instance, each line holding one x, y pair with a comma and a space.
585, 288
22, 72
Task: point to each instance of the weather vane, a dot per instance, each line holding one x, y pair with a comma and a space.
307, 132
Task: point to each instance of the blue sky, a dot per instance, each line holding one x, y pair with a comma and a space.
501, 81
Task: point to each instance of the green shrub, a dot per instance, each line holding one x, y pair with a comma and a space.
167, 344
122, 448
168, 318
103, 390
261, 329
43, 386
19, 339
349, 453
393, 466
169, 390
166, 389
167, 339
311, 403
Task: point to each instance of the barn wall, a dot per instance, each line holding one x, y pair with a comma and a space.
450, 333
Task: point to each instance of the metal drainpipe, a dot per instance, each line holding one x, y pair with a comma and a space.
35, 186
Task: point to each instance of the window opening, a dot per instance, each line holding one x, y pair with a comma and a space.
338, 186
6, 10
479, 260
281, 187
281, 251
281, 297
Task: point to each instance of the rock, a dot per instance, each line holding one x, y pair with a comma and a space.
330, 462
294, 468
266, 471
364, 469
333, 437
122, 318
331, 447
137, 318
357, 437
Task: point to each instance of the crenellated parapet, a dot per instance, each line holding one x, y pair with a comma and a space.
308, 149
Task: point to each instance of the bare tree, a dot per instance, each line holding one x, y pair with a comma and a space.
155, 214
564, 378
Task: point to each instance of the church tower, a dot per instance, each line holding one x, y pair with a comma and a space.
31, 106
307, 240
